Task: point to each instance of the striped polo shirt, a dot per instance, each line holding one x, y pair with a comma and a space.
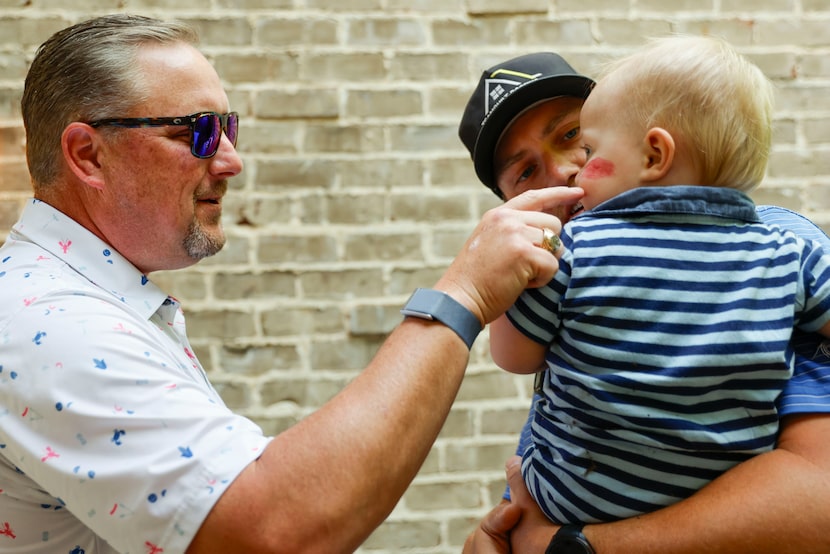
668, 327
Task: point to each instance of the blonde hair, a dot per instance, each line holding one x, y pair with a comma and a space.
710, 98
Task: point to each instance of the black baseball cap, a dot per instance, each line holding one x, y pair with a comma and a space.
505, 91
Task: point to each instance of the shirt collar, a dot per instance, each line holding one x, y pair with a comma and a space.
719, 202
80, 249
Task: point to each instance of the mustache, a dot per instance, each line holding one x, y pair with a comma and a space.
217, 190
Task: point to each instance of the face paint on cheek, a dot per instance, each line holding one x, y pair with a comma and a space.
598, 168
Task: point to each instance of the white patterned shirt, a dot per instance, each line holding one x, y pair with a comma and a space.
111, 437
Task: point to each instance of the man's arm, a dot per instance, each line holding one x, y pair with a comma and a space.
327, 483
776, 503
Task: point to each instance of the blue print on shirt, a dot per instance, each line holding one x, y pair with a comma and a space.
116, 436
100, 364
186, 453
38, 337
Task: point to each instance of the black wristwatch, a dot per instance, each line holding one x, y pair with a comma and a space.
570, 540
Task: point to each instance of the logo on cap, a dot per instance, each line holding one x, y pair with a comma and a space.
497, 89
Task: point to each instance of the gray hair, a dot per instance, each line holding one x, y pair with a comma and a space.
86, 72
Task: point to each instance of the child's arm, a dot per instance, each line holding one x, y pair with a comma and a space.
512, 350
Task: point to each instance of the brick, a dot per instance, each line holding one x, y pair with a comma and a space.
371, 247
251, 360
404, 281
9, 214
346, 283
311, 393
221, 31
336, 66
10, 102
286, 321
385, 32
415, 138
13, 66
427, 6
371, 319
786, 31
351, 5
292, 174
427, 66
492, 385
383, 103
625, 32
406, 535
248, 285
283, 32
353, 209
186, 286
301, 103
236, 68
434, 209
442, 496
463, 457
487, 7
381, 174
323, 138
543, 34
14, 177
260, 211
460, 423
220, 324
293, 248
235, 252
504, 421
353, 354
236, 395
447, 244
688, 6
757, 6
29, 32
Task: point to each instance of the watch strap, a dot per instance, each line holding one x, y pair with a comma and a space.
569, 539
436, 305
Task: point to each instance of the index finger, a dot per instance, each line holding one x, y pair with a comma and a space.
546, 200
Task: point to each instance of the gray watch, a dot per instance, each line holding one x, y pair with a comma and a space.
436, 305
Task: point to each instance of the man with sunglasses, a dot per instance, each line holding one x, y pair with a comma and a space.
111, 437
521, 127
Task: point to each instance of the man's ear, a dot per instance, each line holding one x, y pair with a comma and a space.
659, 149
81, 144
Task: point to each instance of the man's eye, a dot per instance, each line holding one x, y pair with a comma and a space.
587, 150
527, 173
572, 134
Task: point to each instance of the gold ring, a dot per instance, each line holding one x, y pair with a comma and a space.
550, 241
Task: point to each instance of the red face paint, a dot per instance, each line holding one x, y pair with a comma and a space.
597, 168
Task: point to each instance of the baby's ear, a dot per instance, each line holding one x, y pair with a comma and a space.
658, 154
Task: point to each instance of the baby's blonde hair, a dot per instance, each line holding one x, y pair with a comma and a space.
711, 99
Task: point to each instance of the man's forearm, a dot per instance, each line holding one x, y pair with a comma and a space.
326, 483
777, 502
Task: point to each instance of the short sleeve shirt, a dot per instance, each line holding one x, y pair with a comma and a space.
111, 437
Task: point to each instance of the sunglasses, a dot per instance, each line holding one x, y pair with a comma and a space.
205, 128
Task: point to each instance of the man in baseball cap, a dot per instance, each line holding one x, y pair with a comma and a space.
504, 92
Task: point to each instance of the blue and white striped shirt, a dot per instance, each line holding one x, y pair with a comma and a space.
669, 324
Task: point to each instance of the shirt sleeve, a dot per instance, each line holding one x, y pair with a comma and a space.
808, 391
117, 421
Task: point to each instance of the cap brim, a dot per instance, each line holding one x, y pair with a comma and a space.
511, 106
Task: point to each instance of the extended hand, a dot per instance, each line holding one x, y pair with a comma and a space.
503, 256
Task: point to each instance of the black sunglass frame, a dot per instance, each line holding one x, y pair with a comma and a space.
186, 120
